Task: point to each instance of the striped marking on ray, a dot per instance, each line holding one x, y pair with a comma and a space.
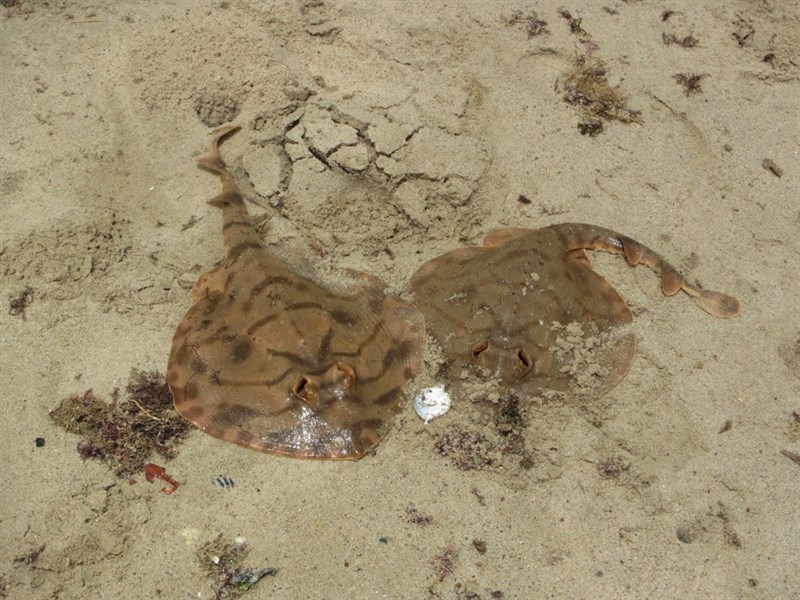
494, 306
280, 363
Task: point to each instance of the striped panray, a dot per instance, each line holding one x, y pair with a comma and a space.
275, 361
493, 308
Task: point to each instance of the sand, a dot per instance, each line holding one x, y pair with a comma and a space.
423, 125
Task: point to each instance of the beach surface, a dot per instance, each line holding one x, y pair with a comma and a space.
377, 136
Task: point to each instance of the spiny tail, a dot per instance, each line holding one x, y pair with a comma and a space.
238, 229
579, 236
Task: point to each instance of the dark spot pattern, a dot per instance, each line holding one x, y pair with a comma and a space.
343, 317
191, 391
240, 350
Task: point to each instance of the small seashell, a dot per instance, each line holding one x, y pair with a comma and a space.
431, 402
223, 482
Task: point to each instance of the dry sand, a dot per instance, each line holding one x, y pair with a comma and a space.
433, 118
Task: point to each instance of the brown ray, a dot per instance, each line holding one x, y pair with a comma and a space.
277, 362
494, 307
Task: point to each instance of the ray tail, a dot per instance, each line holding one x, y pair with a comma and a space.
238, 229
579, 236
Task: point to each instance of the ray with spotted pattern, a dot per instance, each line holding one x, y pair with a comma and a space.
492, 308
281, 363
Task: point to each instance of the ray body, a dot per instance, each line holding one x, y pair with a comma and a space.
494, 306
277, 362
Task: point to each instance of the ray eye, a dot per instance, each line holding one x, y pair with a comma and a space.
525, 359
479, 348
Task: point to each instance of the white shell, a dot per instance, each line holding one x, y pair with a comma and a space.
431, 402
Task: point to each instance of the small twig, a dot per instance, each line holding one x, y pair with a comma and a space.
791, 455
145, 411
